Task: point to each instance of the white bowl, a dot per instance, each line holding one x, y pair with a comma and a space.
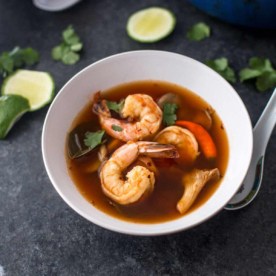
147, 65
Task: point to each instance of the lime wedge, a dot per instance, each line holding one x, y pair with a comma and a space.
37, 87
151, 24
12, 107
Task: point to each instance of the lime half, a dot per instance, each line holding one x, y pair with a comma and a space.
151, 24
37, 87
12, 107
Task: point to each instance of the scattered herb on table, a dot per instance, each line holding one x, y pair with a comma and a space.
116, 128
262, 70
67, 50
169, 113
117, 107
198, 32
93, 139
17, 58
221, 66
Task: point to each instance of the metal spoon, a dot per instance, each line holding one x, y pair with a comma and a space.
261, 134
54, 5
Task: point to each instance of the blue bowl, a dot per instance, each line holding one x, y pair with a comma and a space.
249, 13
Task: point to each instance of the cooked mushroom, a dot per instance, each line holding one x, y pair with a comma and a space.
203, 117
193, 183
169, 98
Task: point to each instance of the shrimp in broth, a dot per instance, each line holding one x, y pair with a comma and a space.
139, 180
148, 168
144, 114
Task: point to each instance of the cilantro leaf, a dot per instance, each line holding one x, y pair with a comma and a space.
169, 113
247, 74
198, 32
76, 47
70, 58
221, 66
116, 128
260, 64
67, 50
262, 70
17, 58
57, 52
30, 56
7, 63
266, 81
16, 55
117, 107
69, 36
229, 75
93, 139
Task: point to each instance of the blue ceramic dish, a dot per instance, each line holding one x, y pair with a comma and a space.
250, 13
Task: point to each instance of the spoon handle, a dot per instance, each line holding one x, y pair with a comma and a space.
264, 126
261, 134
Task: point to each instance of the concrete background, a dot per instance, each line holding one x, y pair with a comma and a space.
41, 235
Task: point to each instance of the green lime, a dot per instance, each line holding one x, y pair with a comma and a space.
37, 87
151, 24
12, 107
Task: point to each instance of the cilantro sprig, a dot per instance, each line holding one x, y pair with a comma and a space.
198, 32
9, 61
117, 107
169, 113
116, 128
221, 66
67, 50
93, 139
262, 70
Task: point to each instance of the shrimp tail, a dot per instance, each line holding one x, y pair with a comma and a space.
156, 150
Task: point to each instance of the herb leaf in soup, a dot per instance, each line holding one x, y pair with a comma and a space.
93, 139
117, 128
117, 107
169, 113
81, 141
198, 32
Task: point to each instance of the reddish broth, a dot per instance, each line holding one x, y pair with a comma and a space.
159, 206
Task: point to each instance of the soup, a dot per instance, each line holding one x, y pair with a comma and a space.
180, 109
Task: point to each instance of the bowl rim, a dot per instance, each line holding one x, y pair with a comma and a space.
121, 229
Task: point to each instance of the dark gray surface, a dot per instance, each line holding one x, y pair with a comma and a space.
41, 235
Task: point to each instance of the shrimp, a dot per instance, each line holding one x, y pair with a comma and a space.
183, 140
143, 114
139, 180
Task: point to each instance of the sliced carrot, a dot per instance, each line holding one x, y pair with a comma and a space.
203, 138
